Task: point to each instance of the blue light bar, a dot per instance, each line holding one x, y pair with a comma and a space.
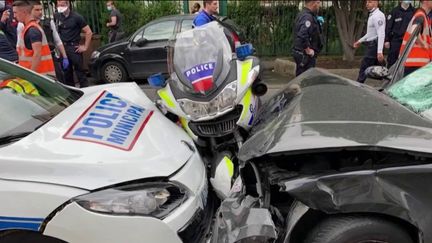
156, 80
244, 51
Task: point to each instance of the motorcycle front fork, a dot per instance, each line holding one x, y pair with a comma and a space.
224, 169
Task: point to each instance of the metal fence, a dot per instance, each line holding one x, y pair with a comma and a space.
268, 24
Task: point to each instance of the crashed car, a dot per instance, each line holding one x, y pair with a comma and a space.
331, 160
99, 164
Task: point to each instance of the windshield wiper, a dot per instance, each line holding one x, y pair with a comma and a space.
12, 138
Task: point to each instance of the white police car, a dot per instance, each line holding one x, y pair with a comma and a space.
100, 164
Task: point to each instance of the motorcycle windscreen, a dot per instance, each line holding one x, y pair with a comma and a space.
201, 59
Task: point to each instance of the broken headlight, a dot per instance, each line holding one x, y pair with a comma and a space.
146, 199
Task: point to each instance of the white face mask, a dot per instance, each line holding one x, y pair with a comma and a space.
62, 9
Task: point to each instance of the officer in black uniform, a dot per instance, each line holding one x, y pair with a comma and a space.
308, 40
70, 26
397, 23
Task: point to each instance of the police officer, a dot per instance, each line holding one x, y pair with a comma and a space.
374, 39
206, 15
308, 40
70, 26
397, 23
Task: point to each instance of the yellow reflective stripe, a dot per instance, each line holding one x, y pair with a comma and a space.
29, 59
163, 93
23, 86
46, 58
25, 58
425, 60
247, 99
230, 166
246, 66
185, 126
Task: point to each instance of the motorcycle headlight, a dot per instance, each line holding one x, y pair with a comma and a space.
147, 199
95, 55
223, 102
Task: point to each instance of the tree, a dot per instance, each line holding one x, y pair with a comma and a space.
351, 17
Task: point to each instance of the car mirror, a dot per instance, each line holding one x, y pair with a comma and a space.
377, 72
141, 42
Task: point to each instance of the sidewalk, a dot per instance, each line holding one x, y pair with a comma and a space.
284, 69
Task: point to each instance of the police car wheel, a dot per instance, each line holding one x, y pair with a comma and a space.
358, 229
114, 72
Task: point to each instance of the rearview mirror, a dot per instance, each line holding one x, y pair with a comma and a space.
377, 72
141, 42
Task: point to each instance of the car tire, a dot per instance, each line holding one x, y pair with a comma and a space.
357, 229
113, 72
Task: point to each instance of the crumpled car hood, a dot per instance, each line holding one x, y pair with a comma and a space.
319, 110
90, 148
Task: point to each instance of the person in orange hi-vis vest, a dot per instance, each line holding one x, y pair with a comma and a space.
421, 53
33, 49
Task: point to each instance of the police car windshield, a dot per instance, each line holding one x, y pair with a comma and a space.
28, 100
201, 59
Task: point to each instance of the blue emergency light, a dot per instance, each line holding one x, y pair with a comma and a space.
156, 80
244, 51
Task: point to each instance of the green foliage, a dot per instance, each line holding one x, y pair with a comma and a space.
268, 25
246, 14
269, 28
136, 14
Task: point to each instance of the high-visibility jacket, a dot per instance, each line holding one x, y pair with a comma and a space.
421, 53
25, 56
20, 86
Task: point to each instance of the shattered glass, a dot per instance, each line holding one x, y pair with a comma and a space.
415, 90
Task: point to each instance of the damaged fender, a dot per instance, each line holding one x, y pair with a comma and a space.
401, 192
241, 220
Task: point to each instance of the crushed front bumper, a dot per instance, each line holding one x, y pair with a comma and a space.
72, 223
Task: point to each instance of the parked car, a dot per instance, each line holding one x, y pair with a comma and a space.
145, 52
142, 54
99, 164
331, 160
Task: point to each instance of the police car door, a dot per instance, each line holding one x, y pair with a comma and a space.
149, 54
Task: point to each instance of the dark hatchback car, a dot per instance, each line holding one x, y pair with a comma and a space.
330, 160
140, 55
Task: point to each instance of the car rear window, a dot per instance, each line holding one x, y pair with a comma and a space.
160, 31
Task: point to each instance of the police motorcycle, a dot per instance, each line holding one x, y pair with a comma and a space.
214, 92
